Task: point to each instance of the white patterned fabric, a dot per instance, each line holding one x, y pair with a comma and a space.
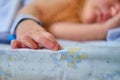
77, 61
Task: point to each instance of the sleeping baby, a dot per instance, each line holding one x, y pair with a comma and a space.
42, 21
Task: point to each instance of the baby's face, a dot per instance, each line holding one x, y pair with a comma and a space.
100, 10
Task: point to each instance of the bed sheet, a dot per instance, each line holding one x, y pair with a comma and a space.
97, 60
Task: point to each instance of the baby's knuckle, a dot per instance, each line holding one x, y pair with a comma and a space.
23, 37
49, 36
38, 37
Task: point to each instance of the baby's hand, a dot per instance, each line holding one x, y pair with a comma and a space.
36, 39
113, 22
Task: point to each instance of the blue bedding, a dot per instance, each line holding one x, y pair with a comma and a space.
98, 60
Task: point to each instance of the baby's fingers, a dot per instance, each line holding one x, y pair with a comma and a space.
17, 44
52, 39
27, 41
45, 39
47, 43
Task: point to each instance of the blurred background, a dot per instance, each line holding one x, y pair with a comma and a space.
8, 11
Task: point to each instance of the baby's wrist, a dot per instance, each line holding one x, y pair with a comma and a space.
18, 21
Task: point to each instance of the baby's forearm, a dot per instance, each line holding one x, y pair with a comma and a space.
31, 9
79, 32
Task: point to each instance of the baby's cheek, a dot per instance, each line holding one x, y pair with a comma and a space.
89, 18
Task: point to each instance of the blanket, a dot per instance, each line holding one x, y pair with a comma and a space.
76, 61
113, 35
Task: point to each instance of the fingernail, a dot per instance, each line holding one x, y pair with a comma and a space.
59, 47
56, 47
